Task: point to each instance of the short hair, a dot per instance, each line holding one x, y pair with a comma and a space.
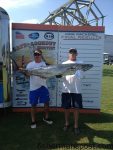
72, 51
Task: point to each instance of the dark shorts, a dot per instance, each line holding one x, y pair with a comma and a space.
40, 95
71, 100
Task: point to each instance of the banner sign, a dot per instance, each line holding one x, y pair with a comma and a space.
55, 42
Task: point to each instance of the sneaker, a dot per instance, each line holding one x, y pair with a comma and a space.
48, 121
66, 127
33, 125
76, 131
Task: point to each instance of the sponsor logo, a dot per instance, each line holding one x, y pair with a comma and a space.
34, 36
19, 35
49, 36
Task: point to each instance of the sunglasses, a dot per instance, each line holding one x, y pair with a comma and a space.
37, 54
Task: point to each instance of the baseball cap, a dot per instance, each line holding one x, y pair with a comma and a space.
38, 51
73, 51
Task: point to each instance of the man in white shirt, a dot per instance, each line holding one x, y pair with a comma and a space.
71, 93
38, 89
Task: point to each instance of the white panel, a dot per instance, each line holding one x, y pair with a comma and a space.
89, 51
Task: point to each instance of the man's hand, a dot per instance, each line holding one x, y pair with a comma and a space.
25, 72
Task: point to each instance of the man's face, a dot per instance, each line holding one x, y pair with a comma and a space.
72, 57
37, 57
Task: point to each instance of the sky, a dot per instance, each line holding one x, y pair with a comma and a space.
35, 11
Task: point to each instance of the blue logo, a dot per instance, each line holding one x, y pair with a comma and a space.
34, 36
49, 36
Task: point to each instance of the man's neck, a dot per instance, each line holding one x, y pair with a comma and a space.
72, 59
37, 61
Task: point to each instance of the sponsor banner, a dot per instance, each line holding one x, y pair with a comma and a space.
24, 43
55, 41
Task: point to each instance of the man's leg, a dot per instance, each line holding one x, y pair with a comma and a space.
76, 116
66, 104
46, 110
33, 102
33, 114
44, 98
67, 113
77, 104
33, 119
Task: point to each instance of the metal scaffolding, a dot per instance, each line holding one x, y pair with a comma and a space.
76, 12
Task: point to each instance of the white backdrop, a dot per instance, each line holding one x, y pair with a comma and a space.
55, 42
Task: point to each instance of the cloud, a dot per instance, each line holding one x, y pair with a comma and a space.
31, 21
18, 3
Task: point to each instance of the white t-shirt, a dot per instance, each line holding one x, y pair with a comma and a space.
72, 83
35, 81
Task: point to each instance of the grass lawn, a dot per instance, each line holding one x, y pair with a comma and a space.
15, 132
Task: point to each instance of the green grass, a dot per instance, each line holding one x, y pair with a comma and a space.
15, 132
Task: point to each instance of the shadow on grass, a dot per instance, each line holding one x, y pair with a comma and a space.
91, 133
15, 132
97, 118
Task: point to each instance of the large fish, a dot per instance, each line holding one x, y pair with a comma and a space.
56, 70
